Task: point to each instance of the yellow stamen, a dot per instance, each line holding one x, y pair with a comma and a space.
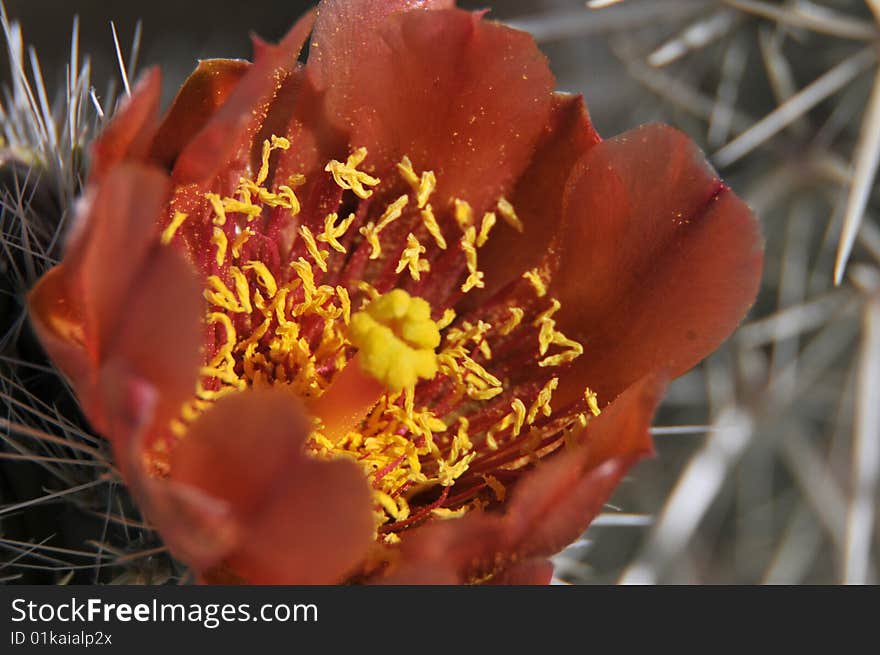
169, 232
332, 232
217, 205
464, 214
535, 279
516, 316
320, 256
486, 226
239, 241
264, 276
410, 258
218, 238
592, 401
348, 177
509, 214
433, 227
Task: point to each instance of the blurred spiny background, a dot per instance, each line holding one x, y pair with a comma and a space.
768, 452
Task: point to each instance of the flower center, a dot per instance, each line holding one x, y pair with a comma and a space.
439, 410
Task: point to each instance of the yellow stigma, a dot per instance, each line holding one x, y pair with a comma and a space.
396, 339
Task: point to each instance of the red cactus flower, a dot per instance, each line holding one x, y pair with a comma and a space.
395, 314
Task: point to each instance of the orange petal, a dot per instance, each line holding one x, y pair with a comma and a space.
57, 320
342, 35
660, 262
537, 198
471, 110
115, 231
554, 504
129, 134
226, 139
301, 520
201, 95
157, 341
448, 552
536, 571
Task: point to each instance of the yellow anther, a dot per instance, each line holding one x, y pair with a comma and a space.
218, 238
368, 289
276, 143
542, 402
332, 232
516, 317
547, 315
574, 351
464, 214
486, 226
219, 294
371, 232
427, 184
447, 318
304, 272
265, 277
411, 258
408, 173
239, 241
537, 282
473, 281
433, 227
169, 232
496, 486
233, 206
219, 210
396, 339
592, 401
320, 256
225, 351
422, 186
242, 288
509, 214
348, 177
519, 415
224, 375
468, 246
345, 303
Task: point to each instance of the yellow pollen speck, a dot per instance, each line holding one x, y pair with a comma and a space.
509, 214
169, 232
396, 339
348, 177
